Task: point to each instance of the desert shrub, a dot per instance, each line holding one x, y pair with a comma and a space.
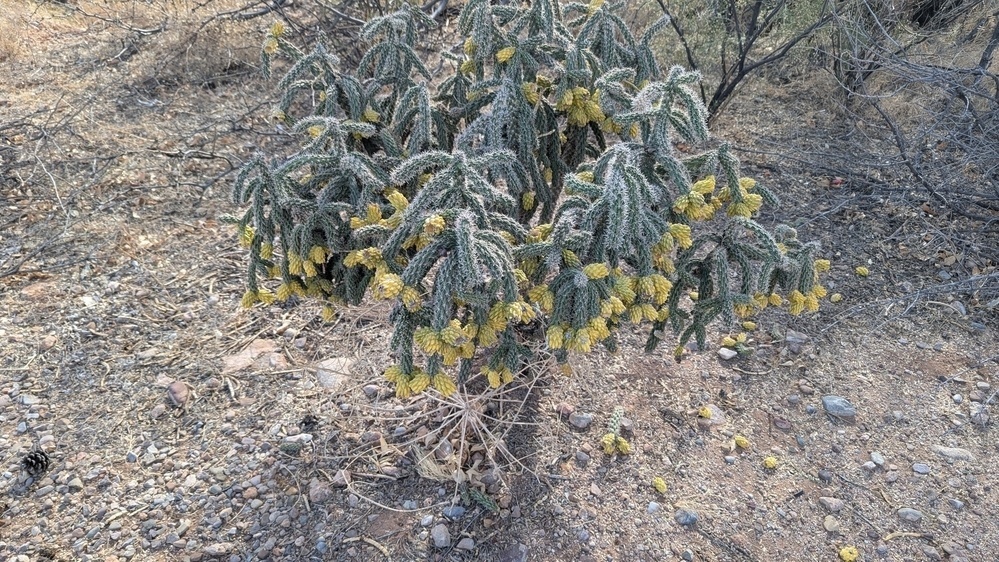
554, 185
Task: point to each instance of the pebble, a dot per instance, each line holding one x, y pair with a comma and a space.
832, 504
685, 517
453, 512
726, 353
729, 459
654, 507
869, 466
839, 407
441, 536
75, 485
427, 521
956, 504
564, 409
218, 549
953, 453
371, 390
878, 458
909, 514
831, 524
466, 544
582, 458
580, 421
44, 490
334, 373
921, 468
687, 555
795, 340
825, 475
514, 553
958, 398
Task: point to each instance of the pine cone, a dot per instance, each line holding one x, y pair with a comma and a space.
35, 463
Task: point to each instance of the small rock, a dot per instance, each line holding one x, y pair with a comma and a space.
28, 399
427, 521
953, 453
795, 340
218, 549
75, 485
178, 393
958, 398
869, 466
832, 504
726, 353
595, 490
48, 342
839, 407
687, 555
729, 459
825, 475
513, 553
580, 421
654, 507
891, 476
341, 479
582, 458
454, 512
685, 517
982, 385
957, 504
979, 414
371, 390
920, 468
909, 514
931, 553
976, 396
831, 524
441, 536
319, 492
334, 373
44, 490
466, 544
565, 409
878, 458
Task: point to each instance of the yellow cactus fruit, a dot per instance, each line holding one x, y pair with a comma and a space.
467, 67
586, 176
434, 225
849, 554
705, 186
704, 412
506, 54
593, 6
419, 383
445, 385
596, 271
270, 47
527, 200
862, 271
394, 374
749, 326
370, 115
728, 341
530, 91
659, 484
681, 233
694, 295
822, 265
609, 443
741, 442
390, 286
770, 463
623, 446
328, 314
249, 298
796, 303
469, 47
277, 29
835, 297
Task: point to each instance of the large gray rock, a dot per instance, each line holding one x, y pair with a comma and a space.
840, 408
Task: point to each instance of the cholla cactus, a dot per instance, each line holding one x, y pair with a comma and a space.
538, 183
